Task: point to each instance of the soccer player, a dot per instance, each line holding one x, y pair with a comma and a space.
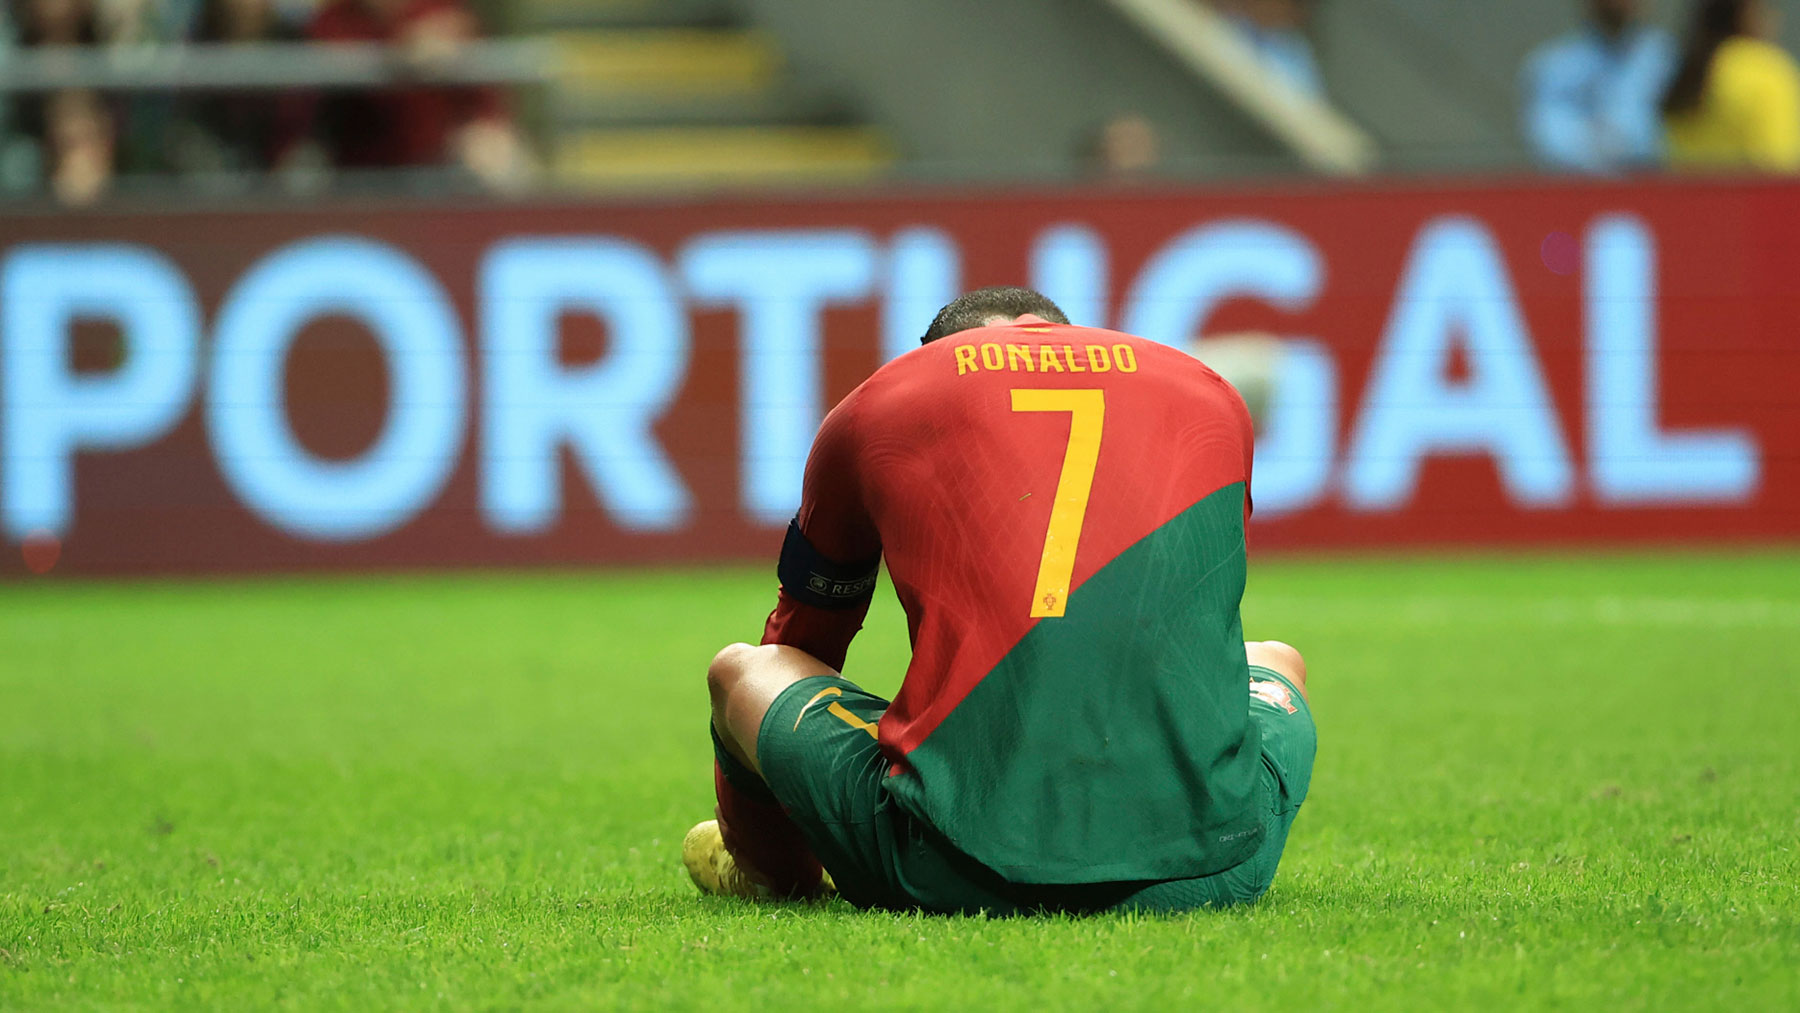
1082, 726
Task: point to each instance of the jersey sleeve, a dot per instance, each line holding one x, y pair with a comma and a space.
835, 521
1247, 426
1239, 414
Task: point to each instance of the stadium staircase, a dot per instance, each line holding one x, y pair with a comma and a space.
681, 93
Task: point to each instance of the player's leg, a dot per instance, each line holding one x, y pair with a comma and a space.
1282, 710
752, 848
743, 682
1278, 657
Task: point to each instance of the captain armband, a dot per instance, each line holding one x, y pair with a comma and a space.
810, 578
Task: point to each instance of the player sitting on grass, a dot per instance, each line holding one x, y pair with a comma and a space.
1082, 726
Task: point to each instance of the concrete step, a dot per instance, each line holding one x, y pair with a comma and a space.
685, 157
665, 62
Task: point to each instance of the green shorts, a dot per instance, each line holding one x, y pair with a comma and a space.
819, 756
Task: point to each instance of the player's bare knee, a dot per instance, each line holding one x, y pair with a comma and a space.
1283, 658
727, 668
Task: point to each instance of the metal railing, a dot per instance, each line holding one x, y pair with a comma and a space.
1318, 134
270, 66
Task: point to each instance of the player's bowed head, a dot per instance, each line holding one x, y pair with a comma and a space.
989, 307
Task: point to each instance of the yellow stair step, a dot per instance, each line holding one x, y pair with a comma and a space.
610, 13
687, 156
668, 61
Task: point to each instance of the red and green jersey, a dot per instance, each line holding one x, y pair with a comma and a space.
1061, 510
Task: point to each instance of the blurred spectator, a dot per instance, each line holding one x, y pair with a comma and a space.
148, 121
18, 158
55, 22
1735, 102
1591, 96
417, 125
1123, 149
1276, 30
231, 134
80, 145
143, 22
64, 141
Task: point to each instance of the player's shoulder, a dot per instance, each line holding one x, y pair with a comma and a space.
902, 380
903, 375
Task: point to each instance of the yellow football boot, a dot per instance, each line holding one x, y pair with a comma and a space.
713, 869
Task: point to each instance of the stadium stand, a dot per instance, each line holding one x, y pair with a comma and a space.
142, 98
1439, 85
1590, 97
1734, 100
685, 92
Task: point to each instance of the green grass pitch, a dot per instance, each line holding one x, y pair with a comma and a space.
1541, 782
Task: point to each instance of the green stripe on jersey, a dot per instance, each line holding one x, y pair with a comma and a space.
1113, 743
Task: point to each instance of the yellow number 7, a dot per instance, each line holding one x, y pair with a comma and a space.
1087, 414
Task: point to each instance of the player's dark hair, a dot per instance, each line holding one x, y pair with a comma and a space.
974, 309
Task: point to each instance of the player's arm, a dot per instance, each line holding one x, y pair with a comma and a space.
1247, 429
1224, 402
831, 554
